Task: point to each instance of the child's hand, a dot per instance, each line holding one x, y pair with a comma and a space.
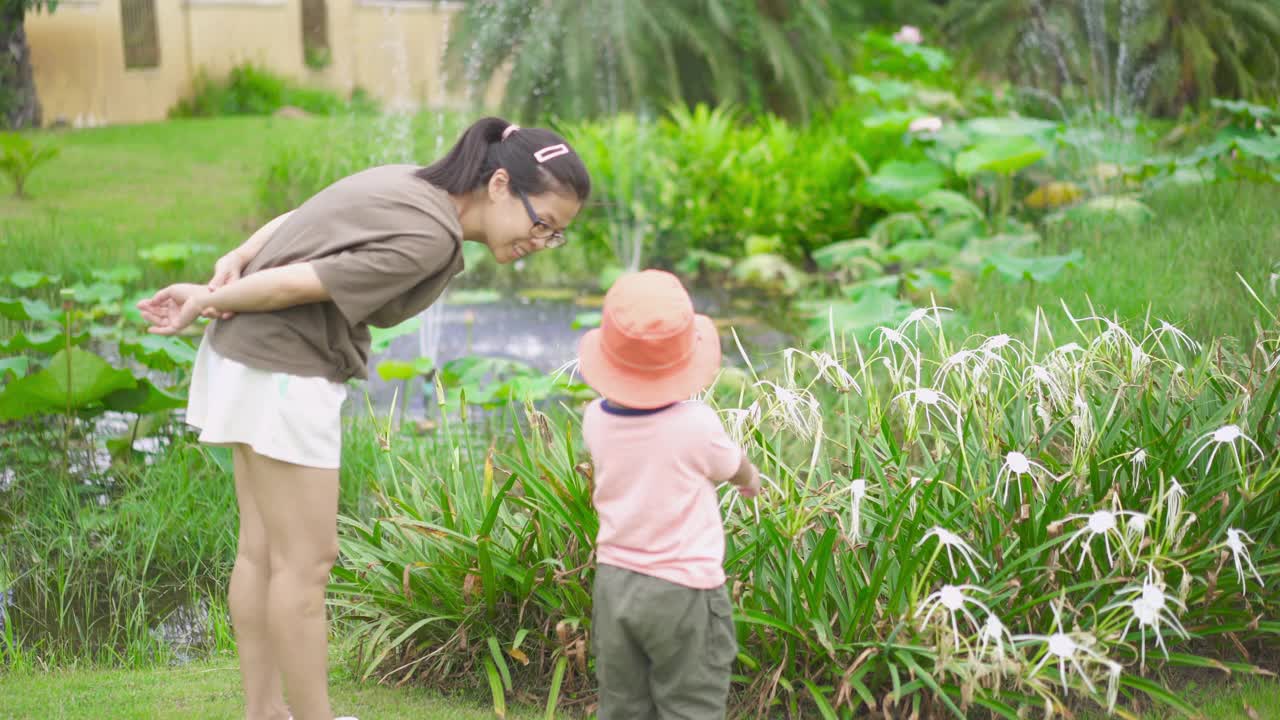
752, 488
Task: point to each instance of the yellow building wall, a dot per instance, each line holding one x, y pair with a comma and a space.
391, 48
225, 33
78, 58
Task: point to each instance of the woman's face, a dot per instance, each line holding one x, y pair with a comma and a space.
519, 225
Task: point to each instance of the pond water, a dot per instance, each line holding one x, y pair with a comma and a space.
540, 333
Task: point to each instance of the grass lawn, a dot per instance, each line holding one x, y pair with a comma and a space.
113, 191
209, 690
1181, 266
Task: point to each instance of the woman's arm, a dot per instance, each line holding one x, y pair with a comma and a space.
174, 308
230, 266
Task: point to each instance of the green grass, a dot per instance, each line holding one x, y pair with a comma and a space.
1182, 265
211, 689
116, 190
208, 690
1224, 701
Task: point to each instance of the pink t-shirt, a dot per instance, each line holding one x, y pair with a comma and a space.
655, 477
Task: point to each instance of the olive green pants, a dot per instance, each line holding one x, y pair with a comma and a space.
663, 651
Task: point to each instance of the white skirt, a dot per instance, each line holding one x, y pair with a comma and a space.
281, 416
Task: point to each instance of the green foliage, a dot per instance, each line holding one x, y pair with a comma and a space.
1120, 55
253, 90
101, 559
19, 157
57, 353
622, 56
475, 565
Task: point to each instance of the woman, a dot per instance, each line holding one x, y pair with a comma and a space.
293, 305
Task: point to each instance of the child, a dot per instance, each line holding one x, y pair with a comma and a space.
662, 624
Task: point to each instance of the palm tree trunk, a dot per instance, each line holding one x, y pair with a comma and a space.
19, 105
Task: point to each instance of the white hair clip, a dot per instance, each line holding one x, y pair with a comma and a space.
553, 151
510, 129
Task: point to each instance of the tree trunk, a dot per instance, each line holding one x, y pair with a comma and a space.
19, 105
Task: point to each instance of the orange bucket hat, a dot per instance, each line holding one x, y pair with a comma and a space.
651, 348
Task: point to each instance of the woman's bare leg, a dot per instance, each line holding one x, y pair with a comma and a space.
299, 507
259, 674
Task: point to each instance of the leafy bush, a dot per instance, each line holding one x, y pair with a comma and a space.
946, 527
19, 157
253, 90
1158, 56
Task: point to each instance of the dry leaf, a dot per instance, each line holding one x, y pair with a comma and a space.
471, 586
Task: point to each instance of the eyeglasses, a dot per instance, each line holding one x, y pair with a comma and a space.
550, 237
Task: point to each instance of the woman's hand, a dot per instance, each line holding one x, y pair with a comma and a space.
172, 309
226, 271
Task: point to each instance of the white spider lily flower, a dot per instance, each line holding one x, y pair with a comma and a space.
1039, 377
1138, 360
570, 367
993, 348
952, 599
1138, 457
1137, 463
1135, 528
934, 402
958, 360
1225, 435
1149, 606
740, 422
1115, 336
1082, 421
857, 494
1274, 363
921, 316
795, 408
1015, 466
829, 369
1074, 649
1173, 497
1235, 542
1179, 337
912, 484
894, 337
997, 342
1106, 524
994, 637
950, 540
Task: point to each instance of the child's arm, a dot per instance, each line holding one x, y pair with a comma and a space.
747, 478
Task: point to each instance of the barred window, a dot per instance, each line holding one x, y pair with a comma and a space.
140, 33
315, 33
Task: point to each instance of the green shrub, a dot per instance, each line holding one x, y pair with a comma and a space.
935, 525
252, 90
19, 157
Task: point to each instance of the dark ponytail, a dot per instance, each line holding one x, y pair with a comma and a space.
481, 150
